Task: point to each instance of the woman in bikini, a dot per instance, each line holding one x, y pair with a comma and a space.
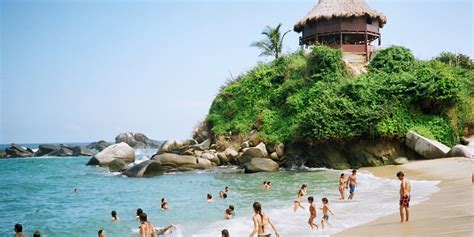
342, 183
260, 221
300, 195
146, 228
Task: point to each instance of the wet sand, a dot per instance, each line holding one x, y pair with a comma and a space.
448, 212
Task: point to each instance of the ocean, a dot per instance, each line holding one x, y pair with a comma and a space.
38, 193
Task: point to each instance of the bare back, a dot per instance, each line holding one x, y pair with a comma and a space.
262, 222
405, 187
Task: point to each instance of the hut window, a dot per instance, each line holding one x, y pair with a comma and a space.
369, 20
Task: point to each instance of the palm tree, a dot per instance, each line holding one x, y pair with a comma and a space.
273, 43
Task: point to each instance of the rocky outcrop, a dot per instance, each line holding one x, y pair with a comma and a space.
45, 149
261, 165
117, 151
461, 151
147, 168
137, 140
18, 151
249, 153
82, 151
427, 148
174, 162
63, 150
98, 146
352, 153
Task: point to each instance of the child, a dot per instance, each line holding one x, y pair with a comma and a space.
326, 212
312, 213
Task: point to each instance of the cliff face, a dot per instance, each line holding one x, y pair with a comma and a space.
353, 153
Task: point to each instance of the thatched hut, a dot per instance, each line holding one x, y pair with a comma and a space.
350, 25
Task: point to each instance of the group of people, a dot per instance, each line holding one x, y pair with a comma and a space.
260, 219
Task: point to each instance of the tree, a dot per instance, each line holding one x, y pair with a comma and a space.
273, 43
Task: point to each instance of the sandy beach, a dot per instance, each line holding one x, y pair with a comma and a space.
448, 212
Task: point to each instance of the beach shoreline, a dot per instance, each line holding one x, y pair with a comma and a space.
448, 212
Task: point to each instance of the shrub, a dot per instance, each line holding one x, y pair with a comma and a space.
394, 59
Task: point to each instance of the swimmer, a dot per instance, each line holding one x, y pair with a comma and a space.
164, 204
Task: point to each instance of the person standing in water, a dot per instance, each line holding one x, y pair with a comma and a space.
405, 190
164, 204
114, 216
299, 196
312, 213
146, 228
18, 230
326, 212
342, 183
209, 198
352, 182
101, 233
225, 233
260, 221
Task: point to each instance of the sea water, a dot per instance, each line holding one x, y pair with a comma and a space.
38, 193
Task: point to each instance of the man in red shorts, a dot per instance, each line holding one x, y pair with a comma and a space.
405, 189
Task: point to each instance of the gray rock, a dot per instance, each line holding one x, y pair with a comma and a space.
147, 168
168, 146
400, 161
279, 149
263, 148
461, 151
222, 157
82, 151
274, 156
203, 145
62, 151
249, 153
174, 162
245, 144
231, 153
117, 165
261, 165
117, 151
98, 146
3, 153
212, 158
426, 147
18, 151
45, 149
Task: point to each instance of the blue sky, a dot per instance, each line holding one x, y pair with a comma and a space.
79, 71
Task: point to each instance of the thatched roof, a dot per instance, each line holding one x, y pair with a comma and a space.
326, 9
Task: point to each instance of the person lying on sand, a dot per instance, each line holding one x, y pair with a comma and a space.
326, 212
405, 190
299, 196
312, 213
260, 221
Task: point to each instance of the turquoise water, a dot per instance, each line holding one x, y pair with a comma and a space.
38, 192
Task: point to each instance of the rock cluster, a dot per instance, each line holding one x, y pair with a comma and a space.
17, 151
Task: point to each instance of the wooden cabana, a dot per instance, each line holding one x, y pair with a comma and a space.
350, 25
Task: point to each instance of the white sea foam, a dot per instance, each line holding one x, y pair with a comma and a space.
374, 197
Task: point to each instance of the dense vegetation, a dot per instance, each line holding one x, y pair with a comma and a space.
313, 98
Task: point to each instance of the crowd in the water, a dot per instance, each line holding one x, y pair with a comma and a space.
260, 219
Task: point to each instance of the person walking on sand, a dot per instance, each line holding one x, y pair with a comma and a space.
352, 182
260, 221
405, 190
326, 212
342, 183
299, 196
312, 213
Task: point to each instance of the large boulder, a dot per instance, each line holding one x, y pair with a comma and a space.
117, 165
211, 157
98, 146
45, 149
400, 161
168, 146
231, 153
147, 168
263, 148
279, 149
461, 151
137, 140
222, 157
126, 137
426, 147
174, 162
18, 151
250, 153
62, 151
117, 151
82, 151
261, 165
274, 156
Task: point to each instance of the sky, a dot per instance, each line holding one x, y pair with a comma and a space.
84, 70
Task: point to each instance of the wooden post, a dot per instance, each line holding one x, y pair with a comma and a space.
366, 48
340, 39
